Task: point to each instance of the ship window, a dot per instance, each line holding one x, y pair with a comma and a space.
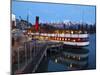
71, 65
74, 40
68, 39
73, 56
78, 58
72, 32
80, 32
78, 39
57, 38
85, 32
68, 56
85, 39
60, 38
76, 32
65, 39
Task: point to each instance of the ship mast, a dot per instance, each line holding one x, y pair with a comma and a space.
27, 19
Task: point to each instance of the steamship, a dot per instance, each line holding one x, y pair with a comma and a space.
71, 38
72, 58
76, 38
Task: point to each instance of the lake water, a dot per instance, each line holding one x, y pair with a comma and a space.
50, 63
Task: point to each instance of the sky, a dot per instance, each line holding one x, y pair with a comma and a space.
53, 12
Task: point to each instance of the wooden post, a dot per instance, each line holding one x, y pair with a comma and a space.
25, 52
18, 58
30, 50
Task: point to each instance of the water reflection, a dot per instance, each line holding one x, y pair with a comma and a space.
64, 60
71, 58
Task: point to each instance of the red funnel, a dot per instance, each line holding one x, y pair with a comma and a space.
37, 23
